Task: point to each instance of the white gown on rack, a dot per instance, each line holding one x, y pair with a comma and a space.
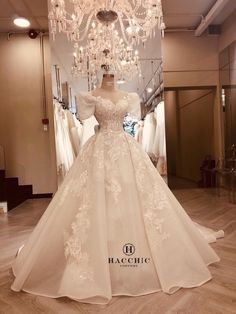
75, 132
64, 149
149, 133
113, 227
159, 146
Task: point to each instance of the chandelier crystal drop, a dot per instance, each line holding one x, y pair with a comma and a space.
105, 50
137, 19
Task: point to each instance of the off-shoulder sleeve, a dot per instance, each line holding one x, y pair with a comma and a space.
85, 106
134, 108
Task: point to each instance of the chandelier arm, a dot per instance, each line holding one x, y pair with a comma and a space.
137, 4
123, 30
85, 30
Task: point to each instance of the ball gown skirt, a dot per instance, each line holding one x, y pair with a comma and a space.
113, 227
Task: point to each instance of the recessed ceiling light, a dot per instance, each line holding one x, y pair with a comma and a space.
149, 89
21, 22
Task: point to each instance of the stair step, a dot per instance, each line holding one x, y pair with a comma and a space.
13, 193
26, 190
8, 188
11, 183
20, 191
13, 203
2, 174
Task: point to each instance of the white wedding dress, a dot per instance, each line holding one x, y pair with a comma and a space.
113, 227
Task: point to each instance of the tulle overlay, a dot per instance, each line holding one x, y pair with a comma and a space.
112, 197
116, 197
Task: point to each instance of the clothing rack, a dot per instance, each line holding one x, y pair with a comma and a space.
60, 102
153, 105
58, 81
65, 107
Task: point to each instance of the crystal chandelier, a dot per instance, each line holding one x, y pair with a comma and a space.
137, 19
105, 50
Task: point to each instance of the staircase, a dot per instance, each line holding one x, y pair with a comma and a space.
11, 192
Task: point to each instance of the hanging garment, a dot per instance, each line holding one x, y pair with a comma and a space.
88, 129
64, 150
113, 227
149, 133
139, 132
159, 144
75, 132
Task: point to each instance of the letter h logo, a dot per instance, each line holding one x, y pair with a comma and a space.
128, 249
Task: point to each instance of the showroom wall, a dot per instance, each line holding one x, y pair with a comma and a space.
228, 34
171, 106
190, 131
191, 61
29, 150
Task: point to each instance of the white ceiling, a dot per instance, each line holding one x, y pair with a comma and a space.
177, 13
35, 10
187, 13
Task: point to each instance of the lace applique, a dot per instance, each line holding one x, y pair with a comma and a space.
113, 187
116, 148
152, 196
75, 239
99, 155
110, 116
74, 245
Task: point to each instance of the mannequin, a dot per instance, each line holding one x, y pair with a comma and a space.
108, 89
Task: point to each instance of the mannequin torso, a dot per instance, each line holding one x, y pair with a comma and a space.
108, 90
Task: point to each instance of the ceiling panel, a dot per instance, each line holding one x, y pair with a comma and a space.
37, 7
6, 9
35, 10
228, 9
185, 13
177, 13
187, 6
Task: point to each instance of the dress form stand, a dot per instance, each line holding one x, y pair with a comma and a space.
108, 82
108, 89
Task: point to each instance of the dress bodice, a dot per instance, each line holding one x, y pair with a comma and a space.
109, 115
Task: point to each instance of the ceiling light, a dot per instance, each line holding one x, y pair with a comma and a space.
149, 89
21, 22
